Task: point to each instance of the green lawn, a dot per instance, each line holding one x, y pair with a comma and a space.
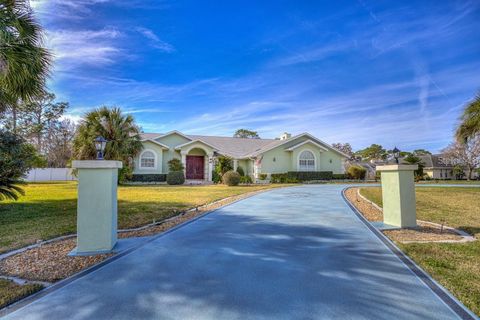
10, 291
48, 210
456, 266
474, 182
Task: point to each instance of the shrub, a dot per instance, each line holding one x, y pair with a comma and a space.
175, 177
278, 177
310, 175
240, 171
339, 176
17, 157
216, 178
246, 179
149, 177
283, 178
175, 165
262, 176
231, 178
357, 172
224, 164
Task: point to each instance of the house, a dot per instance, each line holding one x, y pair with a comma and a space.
198, 153
436, 168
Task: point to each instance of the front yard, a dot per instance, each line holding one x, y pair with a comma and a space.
48, 210
455, 265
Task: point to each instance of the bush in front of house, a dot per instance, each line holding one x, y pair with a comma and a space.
282, 178
246, 180
310, 175
356, 172
262, 176
231, 178
175, 165
175, 178
339, 176
149, 177
240, 171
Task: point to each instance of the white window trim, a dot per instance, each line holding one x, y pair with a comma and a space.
314, 159
155, 161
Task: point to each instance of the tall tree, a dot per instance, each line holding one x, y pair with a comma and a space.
120, 130
374, 152
421, 152
344, 147
465, 154
39, 117
24, 62
470, 121
245, 133
58, 145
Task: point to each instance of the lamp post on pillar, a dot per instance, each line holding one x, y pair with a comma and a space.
97, 203
398, 193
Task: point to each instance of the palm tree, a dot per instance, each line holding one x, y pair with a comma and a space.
470, 125
24, 62
120, 130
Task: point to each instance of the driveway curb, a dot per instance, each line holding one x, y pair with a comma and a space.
446, 297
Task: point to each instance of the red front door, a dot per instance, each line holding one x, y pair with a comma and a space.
195, 167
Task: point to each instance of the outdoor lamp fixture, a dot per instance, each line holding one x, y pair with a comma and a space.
100, 144
396, 154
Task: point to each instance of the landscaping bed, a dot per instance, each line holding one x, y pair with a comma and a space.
455, 265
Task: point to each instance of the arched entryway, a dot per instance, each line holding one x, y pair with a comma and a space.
195, 164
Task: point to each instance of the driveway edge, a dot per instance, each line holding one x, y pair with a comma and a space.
443, 294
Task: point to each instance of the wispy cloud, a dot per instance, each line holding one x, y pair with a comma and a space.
74, 48
155, 41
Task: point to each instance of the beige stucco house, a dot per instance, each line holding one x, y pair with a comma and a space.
198, 153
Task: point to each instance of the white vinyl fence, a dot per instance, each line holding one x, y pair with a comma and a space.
50, 174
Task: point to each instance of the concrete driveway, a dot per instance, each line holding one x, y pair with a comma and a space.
293, 253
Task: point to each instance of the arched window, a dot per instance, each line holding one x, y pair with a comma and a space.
147, 159
306, 161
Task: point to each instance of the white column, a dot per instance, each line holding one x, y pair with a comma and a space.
235, 164
398, 195
210, 167
184, 162
96, 206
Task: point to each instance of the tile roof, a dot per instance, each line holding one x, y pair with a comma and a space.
234, 147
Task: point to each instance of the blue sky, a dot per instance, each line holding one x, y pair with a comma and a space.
388, 72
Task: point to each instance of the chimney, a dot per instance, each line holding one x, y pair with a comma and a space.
285, 136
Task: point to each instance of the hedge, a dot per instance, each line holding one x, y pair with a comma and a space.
149, 177
310, 175
339, 176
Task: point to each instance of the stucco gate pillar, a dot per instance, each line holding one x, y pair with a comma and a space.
398, 195
96, 206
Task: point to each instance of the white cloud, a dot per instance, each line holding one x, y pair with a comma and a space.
155, 41
73, 48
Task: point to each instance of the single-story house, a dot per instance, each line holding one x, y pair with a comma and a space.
198, 153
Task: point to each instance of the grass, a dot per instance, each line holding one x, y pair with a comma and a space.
48, 210
455, 265
474, 182
11, 292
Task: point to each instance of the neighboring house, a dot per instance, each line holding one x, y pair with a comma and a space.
303, 152
436, 168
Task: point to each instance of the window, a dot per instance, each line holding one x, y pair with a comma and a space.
147, 159
306, 161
